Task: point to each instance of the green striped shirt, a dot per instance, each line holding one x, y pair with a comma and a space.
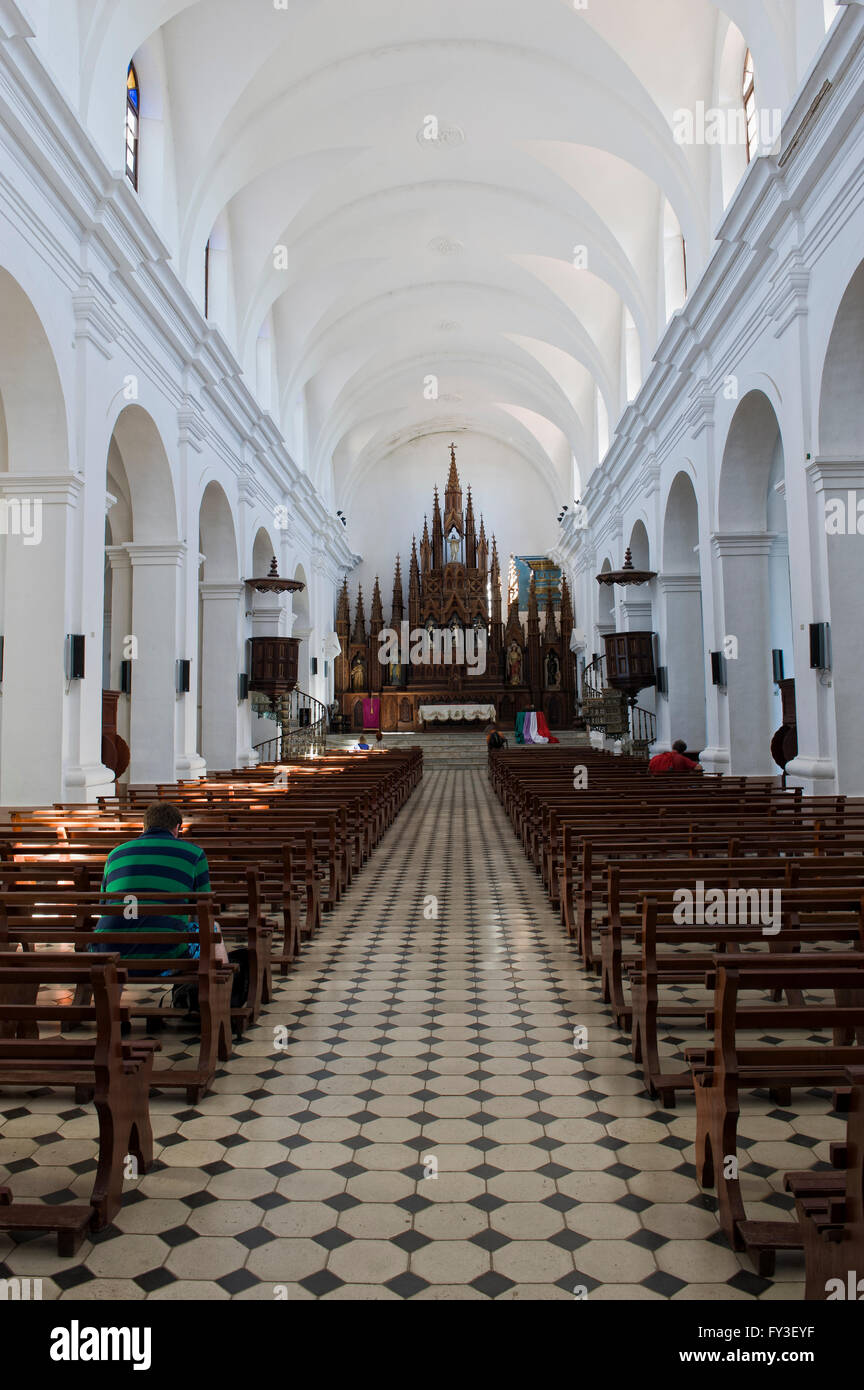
154, 863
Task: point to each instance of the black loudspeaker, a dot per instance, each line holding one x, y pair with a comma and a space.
777, 664
2, 641
820, 646
126, 677
184, 677
662, 680
243, 686
74, 657
718, 669
314, 665
326, 668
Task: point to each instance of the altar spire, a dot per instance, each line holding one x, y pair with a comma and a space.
359, 632
414, 587
397, 611
470, 535
437, 533
453, 499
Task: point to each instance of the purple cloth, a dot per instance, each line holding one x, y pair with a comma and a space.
372, 713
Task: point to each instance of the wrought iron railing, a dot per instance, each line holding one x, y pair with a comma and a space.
302, 727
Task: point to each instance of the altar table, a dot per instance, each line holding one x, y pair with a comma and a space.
437, 714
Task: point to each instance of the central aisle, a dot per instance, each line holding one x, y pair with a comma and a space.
421, 1045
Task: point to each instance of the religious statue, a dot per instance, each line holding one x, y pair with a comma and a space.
358, 673
514, 664
396, 673
453, 540
553, 670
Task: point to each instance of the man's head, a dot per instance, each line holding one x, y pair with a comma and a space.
679, 746
163, 815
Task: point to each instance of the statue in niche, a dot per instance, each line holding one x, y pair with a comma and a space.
358, 673
396, 674
553, 671
514, 664
454, 541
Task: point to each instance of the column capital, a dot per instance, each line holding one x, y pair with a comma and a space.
58, 489
840, 471
141, 553
118, 557
679, 583
224, 590
729, 543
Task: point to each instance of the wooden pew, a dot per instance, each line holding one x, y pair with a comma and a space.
721, 1071
118, 1072
830, 1210
677, 954
70, 921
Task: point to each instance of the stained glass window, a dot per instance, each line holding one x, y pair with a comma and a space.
133, 98
751, 116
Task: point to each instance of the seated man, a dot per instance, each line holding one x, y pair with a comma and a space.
156, 862
674, 761
494, 737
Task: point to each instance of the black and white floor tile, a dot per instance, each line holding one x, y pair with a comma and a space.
428, 1130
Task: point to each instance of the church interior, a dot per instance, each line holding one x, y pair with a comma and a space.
431, 782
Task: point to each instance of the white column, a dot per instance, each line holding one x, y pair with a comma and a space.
155, 598
220, 667
39, 706
681, 714
121, 625
744, 559
830, 751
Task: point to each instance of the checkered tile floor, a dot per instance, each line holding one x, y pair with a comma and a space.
410, 1118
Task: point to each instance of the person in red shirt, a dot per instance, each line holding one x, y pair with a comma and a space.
673, 761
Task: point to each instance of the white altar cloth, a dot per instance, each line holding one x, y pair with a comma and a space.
434, 714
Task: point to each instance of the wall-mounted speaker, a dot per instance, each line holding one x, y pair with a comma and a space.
2, 641
314, 665
184, 676
820, 646
777, 664
326, 668
126, 677
243, 686
74, 656
662, 680
718, 670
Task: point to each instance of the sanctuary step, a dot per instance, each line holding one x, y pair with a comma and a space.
453, 749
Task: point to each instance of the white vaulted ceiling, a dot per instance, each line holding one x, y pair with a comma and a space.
404, 258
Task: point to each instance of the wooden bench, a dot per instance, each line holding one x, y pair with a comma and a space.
674, 954
118, 1072
830, 1210
69, 919
721, 1071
